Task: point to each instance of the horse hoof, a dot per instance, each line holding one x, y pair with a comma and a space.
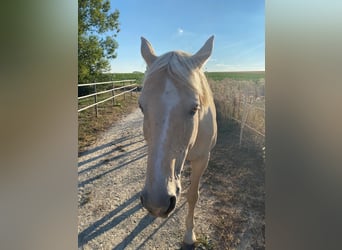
187, 246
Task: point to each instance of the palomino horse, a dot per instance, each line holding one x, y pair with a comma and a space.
179, 124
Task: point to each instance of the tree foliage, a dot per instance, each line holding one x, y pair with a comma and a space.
97, 28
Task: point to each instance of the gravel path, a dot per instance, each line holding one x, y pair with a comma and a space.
111, 174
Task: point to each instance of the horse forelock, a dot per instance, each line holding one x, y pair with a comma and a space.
178, 66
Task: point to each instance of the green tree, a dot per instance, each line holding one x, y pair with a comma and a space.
97, 28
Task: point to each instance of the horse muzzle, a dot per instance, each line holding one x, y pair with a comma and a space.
160, 207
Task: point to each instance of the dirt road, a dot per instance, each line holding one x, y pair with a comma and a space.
111, 175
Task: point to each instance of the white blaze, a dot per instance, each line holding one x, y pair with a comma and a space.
169, 99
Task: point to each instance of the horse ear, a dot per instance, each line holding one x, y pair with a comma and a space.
147, 52
200, 58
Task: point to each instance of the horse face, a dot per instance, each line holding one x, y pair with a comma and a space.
170, 129
170, 99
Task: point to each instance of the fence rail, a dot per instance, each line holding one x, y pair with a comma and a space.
124, 89
99, 83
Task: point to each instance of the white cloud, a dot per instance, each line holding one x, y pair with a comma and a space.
180, 31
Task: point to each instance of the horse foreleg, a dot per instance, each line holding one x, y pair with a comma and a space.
197, 168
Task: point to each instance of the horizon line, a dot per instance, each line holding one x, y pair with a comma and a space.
217, 71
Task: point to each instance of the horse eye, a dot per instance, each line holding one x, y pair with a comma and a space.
194, 109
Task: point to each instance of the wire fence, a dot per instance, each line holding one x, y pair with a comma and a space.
243, 102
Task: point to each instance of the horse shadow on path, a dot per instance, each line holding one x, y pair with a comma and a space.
108, 222
90, 180
104, 158
115, 143
114, 218
103, 146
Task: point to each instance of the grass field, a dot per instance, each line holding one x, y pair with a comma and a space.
249, 75
124, 76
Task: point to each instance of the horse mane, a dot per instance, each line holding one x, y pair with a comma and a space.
179, 67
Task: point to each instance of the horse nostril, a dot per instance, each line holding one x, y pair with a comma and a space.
172, 204
177, 191
141, 200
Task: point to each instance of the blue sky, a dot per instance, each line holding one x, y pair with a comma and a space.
238, 26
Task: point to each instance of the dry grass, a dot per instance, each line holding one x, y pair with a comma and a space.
235, 180
234, 97
89, 126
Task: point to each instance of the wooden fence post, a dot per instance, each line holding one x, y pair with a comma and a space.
95, 97
124, 89
245, 113
132, 90
113, 95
